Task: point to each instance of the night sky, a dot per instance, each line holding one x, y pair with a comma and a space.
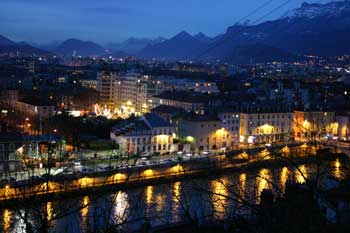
103, 21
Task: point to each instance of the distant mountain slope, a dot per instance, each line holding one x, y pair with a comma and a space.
8, 46
6, 41
258, 53
177, 47
203, 38
312, 29
134, 45
77, 47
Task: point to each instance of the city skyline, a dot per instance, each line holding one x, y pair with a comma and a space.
114, 21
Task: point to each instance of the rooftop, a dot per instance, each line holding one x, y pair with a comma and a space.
154, 121
184, 96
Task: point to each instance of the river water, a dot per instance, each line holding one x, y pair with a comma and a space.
207, 198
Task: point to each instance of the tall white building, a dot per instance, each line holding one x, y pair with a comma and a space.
106, 81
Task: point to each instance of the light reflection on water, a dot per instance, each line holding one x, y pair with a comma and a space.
242, 185
301, 174
172, 198
219, 196
284, 178
49, 211
263, 181
121, 206
6, 221
337, 172
85, 202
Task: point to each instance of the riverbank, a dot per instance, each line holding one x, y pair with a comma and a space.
122, 179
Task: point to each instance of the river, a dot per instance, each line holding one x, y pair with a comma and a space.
207, 198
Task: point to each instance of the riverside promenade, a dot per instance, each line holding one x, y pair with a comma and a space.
122, 178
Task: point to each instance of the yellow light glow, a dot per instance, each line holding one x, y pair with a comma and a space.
336, 171
242, 185
49, 211
190, 139
285, 150
162, 139
263, 181
241, 138
176, 191
219, 196
86, 181
177, 169
6, 220
266, 129
301, 174
119, 177
149, 194
243, 155
148, 173
85, 206
284, 177
306, 125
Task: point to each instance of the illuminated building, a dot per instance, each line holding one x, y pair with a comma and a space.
265, 127
34, 106
106, 87
135, 91
148, 134
315, 124
11, 144
204, 132
231, 122
88, 83
343, 122
188, 101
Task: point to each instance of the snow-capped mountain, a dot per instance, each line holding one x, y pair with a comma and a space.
314, 10
312, 29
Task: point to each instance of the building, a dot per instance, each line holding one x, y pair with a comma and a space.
343, 124
148, 134
134, 92
167, 112
106, 81
265, 127
187, 101
33, 107
11, 144
231, 122
88, 83
314, 125
203, 132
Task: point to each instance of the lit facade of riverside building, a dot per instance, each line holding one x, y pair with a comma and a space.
204, 132
148, 134
315, 124
266, 127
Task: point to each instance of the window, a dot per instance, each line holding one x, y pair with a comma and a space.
12, 147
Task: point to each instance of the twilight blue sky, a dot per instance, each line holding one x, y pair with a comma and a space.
103, 21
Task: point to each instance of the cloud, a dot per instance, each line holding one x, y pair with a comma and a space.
108, 10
